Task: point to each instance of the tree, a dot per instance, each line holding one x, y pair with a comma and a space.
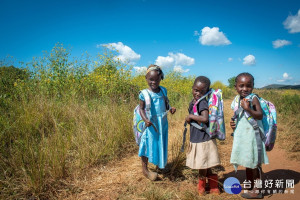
231, 82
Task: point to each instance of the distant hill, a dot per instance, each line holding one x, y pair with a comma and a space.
279, 86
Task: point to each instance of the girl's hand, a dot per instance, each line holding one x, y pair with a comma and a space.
245, 104
232, 124
148, 123
188, 119
172, 110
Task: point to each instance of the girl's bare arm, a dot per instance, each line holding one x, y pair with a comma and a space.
143, 114
202, 118
256, 112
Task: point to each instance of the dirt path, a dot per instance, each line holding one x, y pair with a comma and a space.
123, 179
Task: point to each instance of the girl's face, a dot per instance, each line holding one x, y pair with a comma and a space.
244, 86
199, 89
153, 80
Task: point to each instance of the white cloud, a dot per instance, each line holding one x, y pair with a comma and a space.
165, 61
230, 59
292, 23
140, 70
126, 54
176, 60
249, 60
212, 36
280, 43
286, 77
181, 59
180, 69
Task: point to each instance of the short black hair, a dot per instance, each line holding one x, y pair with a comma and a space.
203, 79
158, 69
244, 74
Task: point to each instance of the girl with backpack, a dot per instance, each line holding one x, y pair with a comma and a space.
153, 145
202, 152
248, 147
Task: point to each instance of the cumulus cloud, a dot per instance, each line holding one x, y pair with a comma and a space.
292, 23
212, 36
181, 59
249, 60
126, 54
140, 70
280, 43
166, 62
176, 60
285, 77
230, 59
180, 69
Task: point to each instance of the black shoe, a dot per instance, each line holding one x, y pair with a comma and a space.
252, 196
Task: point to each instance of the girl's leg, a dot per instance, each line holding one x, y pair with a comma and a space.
249, 177
145, 165
256, 173
202, 173
252, 175
150, 175
202, 181
213, 182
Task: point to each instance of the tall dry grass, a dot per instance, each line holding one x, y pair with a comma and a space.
47, 140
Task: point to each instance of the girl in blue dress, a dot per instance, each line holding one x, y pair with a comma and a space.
154, 142
245, 143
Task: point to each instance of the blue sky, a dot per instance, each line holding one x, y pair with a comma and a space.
218, 39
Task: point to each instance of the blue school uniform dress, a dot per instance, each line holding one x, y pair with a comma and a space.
244, 149
154, 145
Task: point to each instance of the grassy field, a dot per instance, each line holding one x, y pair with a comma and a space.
61, 116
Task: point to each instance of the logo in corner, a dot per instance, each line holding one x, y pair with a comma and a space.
232, 186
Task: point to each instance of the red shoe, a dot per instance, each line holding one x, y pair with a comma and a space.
201, 186
213, 184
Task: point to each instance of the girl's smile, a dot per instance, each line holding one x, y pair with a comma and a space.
244, 86
199, 89
153, 80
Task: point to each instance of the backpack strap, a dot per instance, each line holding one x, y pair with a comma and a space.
198, 101
259, 135
195, 110
147, 107
164, 93
147, 101
184, 137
